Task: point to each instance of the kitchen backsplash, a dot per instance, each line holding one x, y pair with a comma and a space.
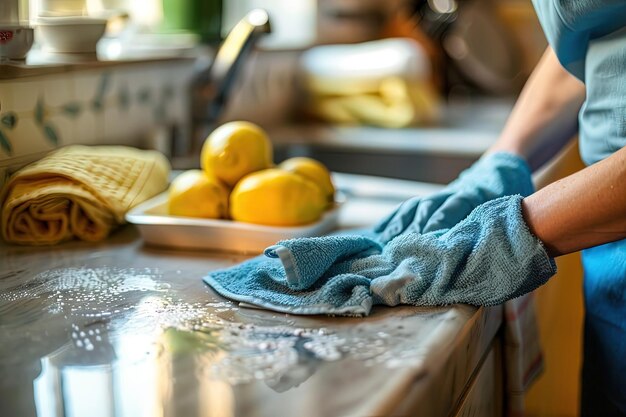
125, 103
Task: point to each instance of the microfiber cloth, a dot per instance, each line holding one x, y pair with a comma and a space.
486, 259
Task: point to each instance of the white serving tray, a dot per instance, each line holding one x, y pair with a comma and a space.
160, 229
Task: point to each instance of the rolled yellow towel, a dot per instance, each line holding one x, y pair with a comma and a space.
3, 177
79, 191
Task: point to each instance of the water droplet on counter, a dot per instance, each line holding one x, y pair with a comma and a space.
162, 286
136, 303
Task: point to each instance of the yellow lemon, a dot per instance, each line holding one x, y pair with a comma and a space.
277, 198
234, 150
314, 171
195, 194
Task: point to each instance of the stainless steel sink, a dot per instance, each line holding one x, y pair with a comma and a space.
429, 154
403, 165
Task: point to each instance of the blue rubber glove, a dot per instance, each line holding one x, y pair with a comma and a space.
493, 176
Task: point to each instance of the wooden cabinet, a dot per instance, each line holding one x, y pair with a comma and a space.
484, 395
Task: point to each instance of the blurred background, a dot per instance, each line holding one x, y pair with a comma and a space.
460, 48
410, 89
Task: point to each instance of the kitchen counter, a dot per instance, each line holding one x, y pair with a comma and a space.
120, 329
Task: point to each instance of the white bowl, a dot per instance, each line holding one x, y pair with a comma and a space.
76, 34
15, 41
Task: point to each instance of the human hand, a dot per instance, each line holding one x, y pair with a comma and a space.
493, 176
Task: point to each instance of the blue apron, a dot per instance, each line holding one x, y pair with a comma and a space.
589, 38
604, 365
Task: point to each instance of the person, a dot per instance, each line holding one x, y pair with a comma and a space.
487, 237
579, 84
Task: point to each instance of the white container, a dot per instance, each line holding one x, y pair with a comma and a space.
160, 229
78, 34
355, 68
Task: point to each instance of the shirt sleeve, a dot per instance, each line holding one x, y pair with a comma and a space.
570, 25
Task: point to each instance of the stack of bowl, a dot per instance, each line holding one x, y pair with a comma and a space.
64, 28
16, 36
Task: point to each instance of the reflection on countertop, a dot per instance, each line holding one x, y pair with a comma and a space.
120, 329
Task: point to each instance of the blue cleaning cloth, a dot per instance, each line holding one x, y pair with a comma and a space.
296, 276
486, 259
493, 176
306, 260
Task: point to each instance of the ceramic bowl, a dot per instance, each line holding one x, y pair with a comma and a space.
78, 34
15, 41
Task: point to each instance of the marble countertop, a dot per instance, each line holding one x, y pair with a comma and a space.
121, 329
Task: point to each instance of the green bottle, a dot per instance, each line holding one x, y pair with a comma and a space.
202, 17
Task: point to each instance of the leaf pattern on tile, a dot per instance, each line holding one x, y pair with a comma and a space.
168, 91
40, 111
123, 98
98, 101
72, 109
9, 120
5, 144
144, 95
97, 104
105, 82
51, 134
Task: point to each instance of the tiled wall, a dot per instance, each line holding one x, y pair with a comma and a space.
112, 105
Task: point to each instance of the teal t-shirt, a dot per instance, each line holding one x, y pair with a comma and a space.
589, 38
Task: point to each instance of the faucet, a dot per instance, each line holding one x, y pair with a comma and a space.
211, 87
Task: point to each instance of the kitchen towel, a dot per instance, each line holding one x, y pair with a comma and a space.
4, 175
78, 192
522, 353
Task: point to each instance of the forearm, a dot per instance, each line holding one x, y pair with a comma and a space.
583, 210
545, 116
